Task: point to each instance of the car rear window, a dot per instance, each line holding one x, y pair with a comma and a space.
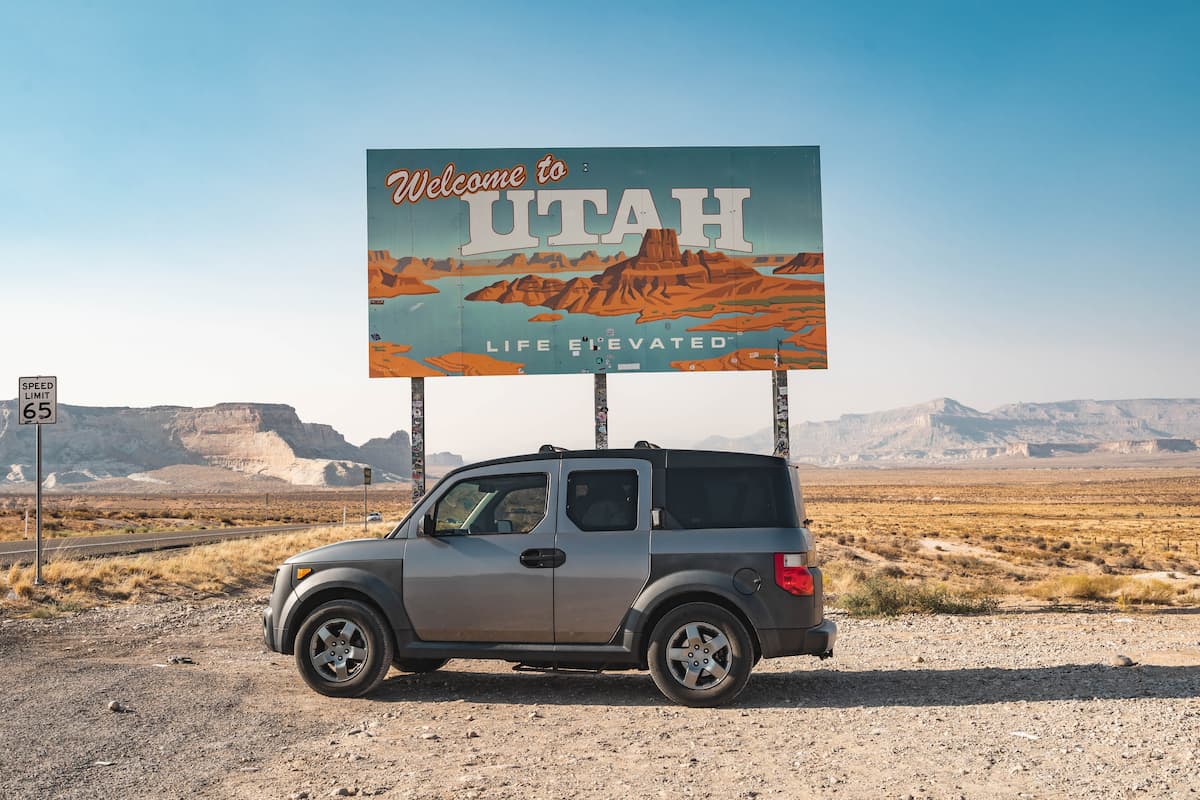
603, 500
722, 497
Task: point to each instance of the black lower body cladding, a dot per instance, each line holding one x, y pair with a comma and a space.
815, 641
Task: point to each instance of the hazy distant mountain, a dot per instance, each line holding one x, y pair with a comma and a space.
258, 440
945, 430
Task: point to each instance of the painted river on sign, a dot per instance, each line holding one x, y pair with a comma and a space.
435, 324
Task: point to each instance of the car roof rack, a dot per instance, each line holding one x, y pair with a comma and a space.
642, 444
550, 448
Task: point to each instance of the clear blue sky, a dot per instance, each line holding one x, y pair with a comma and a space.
1010, 194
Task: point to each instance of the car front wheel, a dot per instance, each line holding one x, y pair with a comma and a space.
700, 655
344, 649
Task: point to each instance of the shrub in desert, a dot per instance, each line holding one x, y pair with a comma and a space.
19, 581
1149, 592
837, 576
1077, 587
1125, 591
883, 596
888, 551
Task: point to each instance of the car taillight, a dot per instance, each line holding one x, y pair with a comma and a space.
791, 574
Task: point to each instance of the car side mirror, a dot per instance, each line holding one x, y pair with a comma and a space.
429, 525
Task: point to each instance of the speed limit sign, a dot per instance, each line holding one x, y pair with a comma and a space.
37, 400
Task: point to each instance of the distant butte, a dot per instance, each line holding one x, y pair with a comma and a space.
803, 264
388, 360
544, 262
474, 364
749, 358
413, 267
661, 282
813, 339
382, 283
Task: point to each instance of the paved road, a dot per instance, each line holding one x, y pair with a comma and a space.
81, 546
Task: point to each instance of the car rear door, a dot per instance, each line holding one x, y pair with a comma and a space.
603, 520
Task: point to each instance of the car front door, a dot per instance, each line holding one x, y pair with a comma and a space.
604, 534
486, 573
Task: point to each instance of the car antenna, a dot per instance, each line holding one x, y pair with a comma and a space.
642, 444
550, 448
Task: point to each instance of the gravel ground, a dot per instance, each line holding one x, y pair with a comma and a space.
1014, 704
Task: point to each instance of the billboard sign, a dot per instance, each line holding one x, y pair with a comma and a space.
564, 260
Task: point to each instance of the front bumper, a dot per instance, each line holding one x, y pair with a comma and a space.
815, 641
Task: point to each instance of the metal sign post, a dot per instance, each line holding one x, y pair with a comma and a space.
37, 404
366, 483
779, 411
600, 403
418, 439
37, 576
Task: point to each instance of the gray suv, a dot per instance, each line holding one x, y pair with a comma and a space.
690, 564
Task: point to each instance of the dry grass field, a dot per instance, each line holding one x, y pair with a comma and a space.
81, 514
1130, 536
889, 540
215, 570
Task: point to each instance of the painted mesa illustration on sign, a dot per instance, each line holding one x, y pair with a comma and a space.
548, 261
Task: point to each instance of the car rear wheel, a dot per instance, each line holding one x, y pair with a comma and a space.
344, 649
419, 664
700, 655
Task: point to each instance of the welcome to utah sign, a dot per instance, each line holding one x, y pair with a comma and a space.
561, 260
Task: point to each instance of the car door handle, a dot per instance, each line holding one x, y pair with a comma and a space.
543, 558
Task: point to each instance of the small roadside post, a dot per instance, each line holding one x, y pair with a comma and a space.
366, 483
37, 404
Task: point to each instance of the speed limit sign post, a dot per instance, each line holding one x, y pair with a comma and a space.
37, 404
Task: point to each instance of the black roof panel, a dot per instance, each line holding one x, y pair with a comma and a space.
659, 458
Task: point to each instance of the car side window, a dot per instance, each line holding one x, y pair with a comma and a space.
493, 504
720, 497
603, 500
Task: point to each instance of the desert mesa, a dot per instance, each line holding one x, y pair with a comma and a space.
660, 283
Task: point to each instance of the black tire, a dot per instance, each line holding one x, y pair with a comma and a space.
690, 672
344, 649
419, 664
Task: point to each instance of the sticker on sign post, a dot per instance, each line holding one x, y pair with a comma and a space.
37, 400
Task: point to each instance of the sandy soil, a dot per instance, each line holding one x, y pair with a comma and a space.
1015, 704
